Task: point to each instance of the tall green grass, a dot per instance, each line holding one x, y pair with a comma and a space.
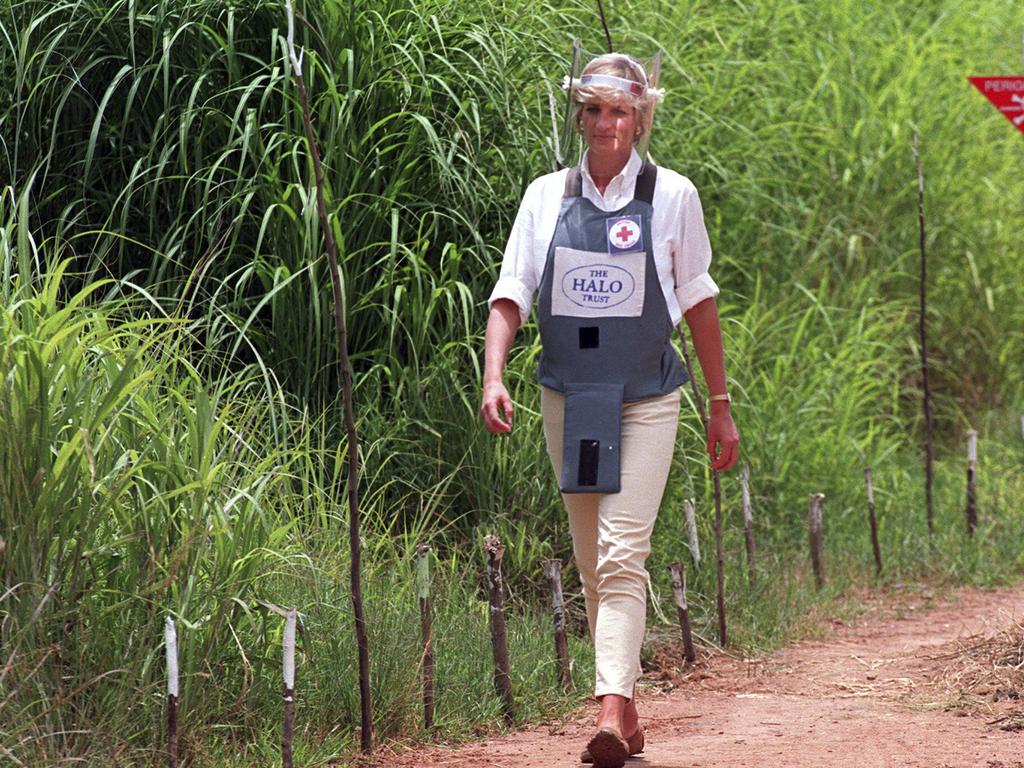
169, 421
132, 489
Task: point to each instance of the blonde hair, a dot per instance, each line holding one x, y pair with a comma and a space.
623, 66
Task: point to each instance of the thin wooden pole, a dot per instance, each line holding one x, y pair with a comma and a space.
814, 512
723, 637
923, 333
678, 573
427, 633
691, 529
556, 142
604, 24
553, 570
288, 667
972, 461
873, 521
499, 642
748, 521
355, 558
171, 646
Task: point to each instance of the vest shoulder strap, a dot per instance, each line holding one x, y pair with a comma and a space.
645, 183
573, 183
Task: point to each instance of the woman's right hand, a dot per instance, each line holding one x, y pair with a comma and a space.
496, 402
502, 324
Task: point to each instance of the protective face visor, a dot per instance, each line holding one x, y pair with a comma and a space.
567, 142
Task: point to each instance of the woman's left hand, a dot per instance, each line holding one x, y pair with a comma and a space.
723, 438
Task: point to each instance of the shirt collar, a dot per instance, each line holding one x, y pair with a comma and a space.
623, 182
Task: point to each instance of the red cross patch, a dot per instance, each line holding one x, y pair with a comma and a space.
624, 234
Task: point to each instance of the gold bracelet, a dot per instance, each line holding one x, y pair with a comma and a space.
727, 397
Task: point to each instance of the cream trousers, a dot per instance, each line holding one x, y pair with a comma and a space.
611, 532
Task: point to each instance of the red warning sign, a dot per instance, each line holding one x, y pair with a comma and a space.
1006, 94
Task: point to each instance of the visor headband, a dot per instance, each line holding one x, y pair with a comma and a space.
611, 81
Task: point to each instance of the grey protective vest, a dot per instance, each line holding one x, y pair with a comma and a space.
605, 329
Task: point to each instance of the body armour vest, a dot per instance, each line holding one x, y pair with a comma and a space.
605, 329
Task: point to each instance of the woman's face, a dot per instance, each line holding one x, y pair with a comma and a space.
609, 126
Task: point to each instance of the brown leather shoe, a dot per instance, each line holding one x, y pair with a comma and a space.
634, 746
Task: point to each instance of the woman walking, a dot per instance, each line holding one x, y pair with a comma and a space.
617, 253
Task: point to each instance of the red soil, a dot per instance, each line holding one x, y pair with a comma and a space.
883, 691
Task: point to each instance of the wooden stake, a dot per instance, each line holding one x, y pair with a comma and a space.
691, 528
499, 644
923, 333
814, 510
345, 371
171, 646
288, 666
873, 521
748, 521
678, 573
723, 637
553, 570
427, 632
972, 460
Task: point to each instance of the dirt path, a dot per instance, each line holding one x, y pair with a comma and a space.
885, 691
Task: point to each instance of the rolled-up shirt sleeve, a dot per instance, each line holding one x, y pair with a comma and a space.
691, 253
518, 279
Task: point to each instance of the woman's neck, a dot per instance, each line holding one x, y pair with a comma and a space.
604, 167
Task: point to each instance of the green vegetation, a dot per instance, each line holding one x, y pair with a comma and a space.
170, 432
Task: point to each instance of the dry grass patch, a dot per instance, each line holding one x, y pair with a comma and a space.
986, 671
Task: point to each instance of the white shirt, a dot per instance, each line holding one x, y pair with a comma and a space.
682, 251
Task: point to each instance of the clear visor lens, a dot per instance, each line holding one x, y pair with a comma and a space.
569, 141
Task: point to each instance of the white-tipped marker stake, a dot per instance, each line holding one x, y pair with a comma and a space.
289, 688
972, 462
873, 520
691, 529
748, 521
553, 570
678, 573
171, 646
427, 632
814, 510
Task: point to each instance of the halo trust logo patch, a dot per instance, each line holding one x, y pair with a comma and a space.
590, 284
598, 286
624, 234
